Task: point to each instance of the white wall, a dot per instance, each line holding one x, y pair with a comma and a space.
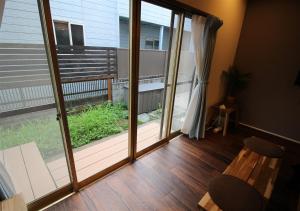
21, 22
150, 13
100, 19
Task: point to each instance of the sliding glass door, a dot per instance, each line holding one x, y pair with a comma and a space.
88, 83
185, 77
155, 40
92, 50
30, 134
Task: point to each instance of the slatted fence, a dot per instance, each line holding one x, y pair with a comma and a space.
86, 63
25, 84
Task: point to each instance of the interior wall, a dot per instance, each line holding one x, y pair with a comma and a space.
269, 48
232, 13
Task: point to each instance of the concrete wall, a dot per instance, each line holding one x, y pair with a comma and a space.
232, 13
269, 49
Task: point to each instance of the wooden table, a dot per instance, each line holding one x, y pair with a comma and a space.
257, 170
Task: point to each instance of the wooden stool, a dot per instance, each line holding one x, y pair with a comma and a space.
233, 194
227, 111
264, 147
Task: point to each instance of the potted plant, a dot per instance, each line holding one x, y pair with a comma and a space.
235, 81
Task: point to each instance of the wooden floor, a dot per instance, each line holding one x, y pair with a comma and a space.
176, 176
100, 155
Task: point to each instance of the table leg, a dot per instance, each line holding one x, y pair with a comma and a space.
225, 123
236, 118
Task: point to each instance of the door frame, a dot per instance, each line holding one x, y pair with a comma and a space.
134, 43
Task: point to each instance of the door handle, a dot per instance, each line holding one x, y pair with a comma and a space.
58, 115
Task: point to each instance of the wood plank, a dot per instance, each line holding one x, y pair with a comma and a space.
22, 59
101, 165
36, 51
84, 78
39, 66
82, 61
257, 170
15, 203
17, 45
15, 165
15, 73
15, 61
81, 56
83, 65
156, 187
98, 152
41, 182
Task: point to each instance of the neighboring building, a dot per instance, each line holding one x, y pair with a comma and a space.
85, 22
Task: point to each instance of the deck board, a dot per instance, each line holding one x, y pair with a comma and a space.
14, 163
41, 180
96, 157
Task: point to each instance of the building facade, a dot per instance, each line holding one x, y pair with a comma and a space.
88, 22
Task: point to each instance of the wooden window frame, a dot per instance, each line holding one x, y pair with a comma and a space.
69, 23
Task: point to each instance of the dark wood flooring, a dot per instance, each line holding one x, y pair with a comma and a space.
176, 176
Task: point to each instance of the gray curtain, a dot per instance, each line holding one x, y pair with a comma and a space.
211, 27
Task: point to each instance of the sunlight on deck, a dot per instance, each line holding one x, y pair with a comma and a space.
97, 157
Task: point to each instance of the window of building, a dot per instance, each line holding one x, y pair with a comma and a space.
77, 34
151, 44
62, 33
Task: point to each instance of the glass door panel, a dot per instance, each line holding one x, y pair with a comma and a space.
185, 78
92, 49
171, 76
31, 144
154, 45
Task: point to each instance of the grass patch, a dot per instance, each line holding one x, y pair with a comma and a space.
97, 122
92, 124
45, 132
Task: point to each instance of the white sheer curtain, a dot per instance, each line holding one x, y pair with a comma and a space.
204, 31
198, 23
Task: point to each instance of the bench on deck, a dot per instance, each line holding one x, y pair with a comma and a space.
28, 171
257, 170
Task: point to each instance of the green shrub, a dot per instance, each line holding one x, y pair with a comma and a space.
97, 122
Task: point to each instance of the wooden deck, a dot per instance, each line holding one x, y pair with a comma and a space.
34, 178
97, 157
28, 171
